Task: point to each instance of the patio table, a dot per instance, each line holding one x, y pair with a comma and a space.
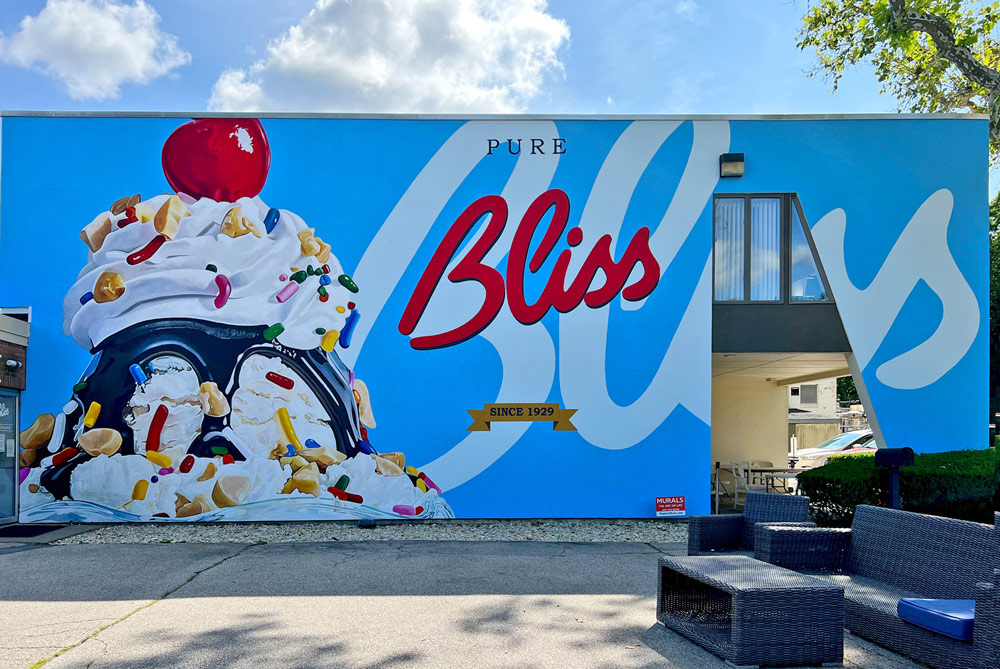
770, 480
751, 613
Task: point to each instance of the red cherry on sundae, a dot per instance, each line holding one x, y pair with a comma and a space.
220, 158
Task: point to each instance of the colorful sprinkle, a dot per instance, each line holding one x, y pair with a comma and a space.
154, 479
211, 268
271, 220
279, 380
63, 455
430, 484
225, 289
320, 331
404, 510
290, 450
130, 217
324, 298
365, 447
290, 289
341, 310
312, 443
272, 332
326, 269
92, 413
228, 459
80, 386
187, 463
421, 485
219, 450
282, 277
419, 510
351, 305
352, 321
137, 374
147, 251
298, 277
158, 459
285, 422
139, 489
342, 482
166, 470
346, 496
310, 271
86, 297
329, 340
155, 427
325, 280
348, 283
321, 290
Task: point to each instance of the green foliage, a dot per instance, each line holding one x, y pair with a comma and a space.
907, 63
846, 390
956, 484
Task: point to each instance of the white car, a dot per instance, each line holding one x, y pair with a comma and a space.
858, 441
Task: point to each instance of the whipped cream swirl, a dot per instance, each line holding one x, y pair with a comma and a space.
174, 282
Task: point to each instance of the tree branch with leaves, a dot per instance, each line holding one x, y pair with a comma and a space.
932, 55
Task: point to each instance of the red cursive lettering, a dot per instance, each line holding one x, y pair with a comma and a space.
555, 294
468, 269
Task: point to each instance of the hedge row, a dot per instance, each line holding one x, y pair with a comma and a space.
956, 484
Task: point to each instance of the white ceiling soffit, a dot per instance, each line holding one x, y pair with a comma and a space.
780, 368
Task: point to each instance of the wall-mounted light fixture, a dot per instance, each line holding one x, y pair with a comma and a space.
13, 364
731, 165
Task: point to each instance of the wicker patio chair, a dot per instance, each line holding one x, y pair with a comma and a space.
889, 555
708, 535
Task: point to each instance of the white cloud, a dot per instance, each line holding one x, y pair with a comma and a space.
403, 56
93, 47
686, 9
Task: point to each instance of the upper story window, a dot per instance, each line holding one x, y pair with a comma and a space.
807, 284
763, 252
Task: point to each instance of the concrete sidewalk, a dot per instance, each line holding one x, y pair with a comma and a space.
349, 604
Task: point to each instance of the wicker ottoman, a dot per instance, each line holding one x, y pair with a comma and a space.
752, 613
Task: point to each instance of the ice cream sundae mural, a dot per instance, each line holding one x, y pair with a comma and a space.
361, 318
216, 390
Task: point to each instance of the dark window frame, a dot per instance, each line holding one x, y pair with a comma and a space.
788, 200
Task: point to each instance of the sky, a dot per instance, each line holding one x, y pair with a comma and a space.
431, 56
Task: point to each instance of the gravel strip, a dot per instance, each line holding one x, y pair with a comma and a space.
586, 530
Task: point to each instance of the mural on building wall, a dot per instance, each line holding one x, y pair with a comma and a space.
228, 338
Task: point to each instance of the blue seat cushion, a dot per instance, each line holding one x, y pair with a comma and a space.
951, 617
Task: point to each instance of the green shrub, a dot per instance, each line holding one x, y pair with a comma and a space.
956, 484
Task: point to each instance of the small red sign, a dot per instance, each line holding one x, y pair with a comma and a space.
668, 507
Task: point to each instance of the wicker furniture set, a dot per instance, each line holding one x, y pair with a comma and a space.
888, 557
923, 586
708, 535
751, 613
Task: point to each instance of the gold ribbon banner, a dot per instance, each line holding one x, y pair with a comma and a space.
533, 412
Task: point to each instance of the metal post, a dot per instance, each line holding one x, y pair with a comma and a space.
894, 501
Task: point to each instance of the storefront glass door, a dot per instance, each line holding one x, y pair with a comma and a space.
8, 457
